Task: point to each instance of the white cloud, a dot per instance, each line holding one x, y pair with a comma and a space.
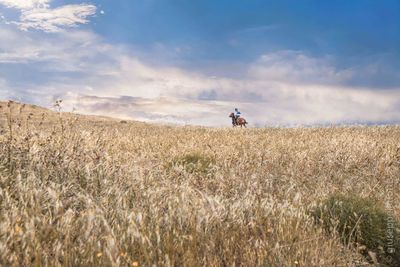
25, 4
280, 88
332, 105
37, 14
159, 110
296, 67
63, 51
53, 20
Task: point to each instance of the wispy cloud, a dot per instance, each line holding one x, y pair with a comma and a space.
296, 67
279, 88
159, 110
38, 15
25, 4
322, 106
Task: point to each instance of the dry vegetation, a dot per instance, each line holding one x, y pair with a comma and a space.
87, 191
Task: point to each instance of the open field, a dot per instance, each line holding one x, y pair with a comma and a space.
83, 191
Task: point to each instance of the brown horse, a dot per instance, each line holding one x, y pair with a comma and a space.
237, 122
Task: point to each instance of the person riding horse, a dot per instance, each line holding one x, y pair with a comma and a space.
236, 119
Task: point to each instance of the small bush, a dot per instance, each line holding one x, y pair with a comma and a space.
364, 222
195, 163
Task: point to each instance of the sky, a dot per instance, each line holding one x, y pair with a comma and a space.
282, 63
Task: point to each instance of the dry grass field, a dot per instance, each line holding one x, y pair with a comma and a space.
88, 191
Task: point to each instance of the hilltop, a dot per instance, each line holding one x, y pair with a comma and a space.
38, 113
16, 108
80, 190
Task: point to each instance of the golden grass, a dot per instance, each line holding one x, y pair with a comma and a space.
87, 191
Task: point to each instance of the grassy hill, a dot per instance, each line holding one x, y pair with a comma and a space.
86, 191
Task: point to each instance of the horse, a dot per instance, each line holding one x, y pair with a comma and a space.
239, 122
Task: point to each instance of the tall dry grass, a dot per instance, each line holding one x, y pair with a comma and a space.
87, 191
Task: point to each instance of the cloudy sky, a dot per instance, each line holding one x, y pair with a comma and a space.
193, 61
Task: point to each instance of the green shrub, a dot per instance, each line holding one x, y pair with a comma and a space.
195, 163
364, 222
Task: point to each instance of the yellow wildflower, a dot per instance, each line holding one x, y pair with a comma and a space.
18, 229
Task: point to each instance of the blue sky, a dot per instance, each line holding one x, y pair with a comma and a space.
181, 61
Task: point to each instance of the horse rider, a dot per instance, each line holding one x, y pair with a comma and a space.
237, 115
